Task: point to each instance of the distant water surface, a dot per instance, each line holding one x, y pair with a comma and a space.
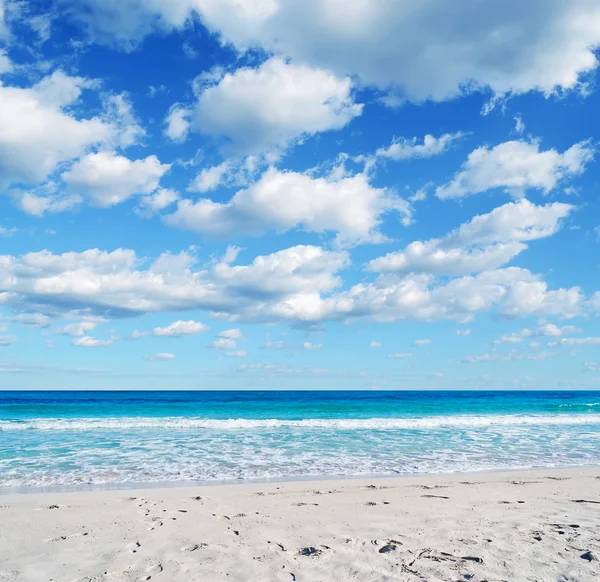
70, 438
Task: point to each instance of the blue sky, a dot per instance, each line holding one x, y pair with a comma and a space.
203, 194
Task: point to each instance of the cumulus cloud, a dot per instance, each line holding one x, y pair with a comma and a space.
375, 344
180, 329
516, 166
159, 200
38, 132
435, 50
33, 319
300, 285
234, 334
406, 149
107, 178
254, 111
79, 329
486, 242
222, 343
177, 123
284, 200
547, 330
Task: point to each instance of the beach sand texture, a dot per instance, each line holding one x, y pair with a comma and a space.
512, 526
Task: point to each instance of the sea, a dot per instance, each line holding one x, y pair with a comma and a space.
86, 438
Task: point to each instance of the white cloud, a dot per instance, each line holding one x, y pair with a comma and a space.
234, 334
38, 133
422, 342
433, 50
375, 344
591, 367
158, 201
177, 123
516, 166
519, 125
400, 356
79, 329
160, 356
282, 201
107, 178
222, 343
35, 205
299, 285
311, 346
259, 110
230, 173
237, 354
406, 149
463, 332
89, 342
6, 340
33, 319
180, 328
486, 242
546, 330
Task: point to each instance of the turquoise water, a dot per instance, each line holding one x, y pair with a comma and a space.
69, 438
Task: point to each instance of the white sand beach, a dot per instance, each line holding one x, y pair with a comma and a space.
513, 526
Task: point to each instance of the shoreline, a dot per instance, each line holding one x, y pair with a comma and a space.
512, 526
166, 485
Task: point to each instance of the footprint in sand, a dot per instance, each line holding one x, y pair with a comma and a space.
67, 537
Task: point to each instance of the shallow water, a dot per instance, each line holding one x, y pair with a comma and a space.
66, 438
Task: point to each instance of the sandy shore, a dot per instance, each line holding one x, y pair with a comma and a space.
533, 525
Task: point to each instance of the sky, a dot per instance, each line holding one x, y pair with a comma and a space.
299, 194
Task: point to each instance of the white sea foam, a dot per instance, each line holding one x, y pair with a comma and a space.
432, 422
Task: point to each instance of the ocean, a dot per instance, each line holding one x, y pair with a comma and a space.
104, 438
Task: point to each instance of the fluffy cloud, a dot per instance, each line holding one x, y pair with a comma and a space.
486, 242
282, 201
89, 342
177, 123
79, 329
113, 284
222, 343
231, 334
258, 110
33, 319
157, 201
516, 166
37, 133
107, 178
422, 342
299, 285
547, 330
433, 50
180, 329
406, 149
375, 344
